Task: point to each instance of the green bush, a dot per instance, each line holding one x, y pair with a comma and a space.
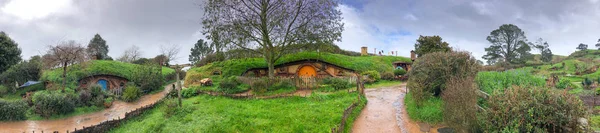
430, 72
259, 86
189, 92
229, 85
490, 82
171, 107
13, 110
281, 84
387, 76
3, 90
85, 98
399, 72
131, 93
97, 101
339, 83
108, 100
373, 76
48, 103
587, 83
460, 103
564, 84
533, 109
595, 121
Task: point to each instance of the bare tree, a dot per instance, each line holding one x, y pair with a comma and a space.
63, 55
170, 52
131, 54
268, 27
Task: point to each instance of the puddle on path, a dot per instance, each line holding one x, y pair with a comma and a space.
117, 110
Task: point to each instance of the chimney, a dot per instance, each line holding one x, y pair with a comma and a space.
363, 51
412, 55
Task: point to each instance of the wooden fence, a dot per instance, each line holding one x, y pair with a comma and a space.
340, 128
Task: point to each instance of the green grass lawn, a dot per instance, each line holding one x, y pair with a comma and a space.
318, 113
382, 83
430, 112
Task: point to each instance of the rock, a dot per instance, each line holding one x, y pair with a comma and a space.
206, 82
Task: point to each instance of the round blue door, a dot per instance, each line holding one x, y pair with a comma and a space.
103, 83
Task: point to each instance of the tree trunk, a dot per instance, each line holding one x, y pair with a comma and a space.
271, 68
64, 75
178, 85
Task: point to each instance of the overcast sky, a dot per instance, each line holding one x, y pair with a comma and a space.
391, 25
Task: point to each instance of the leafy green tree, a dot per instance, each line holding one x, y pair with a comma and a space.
430, 44
10, 53
598, 44
200, 50
269, 27
23, 72
582, 47
509, 45
544, 48
98, 48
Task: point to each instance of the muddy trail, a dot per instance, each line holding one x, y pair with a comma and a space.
385, 112
117, 110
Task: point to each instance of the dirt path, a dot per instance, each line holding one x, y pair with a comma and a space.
118, 109
385, 112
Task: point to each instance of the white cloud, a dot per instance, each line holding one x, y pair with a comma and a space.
35, 9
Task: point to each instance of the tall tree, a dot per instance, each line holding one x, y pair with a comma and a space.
268, 27
97, 48
430, 44
200, 50
509, 44
131, 54
10, 53
63, 55
170, 52
24, 71
545, 52
582, 47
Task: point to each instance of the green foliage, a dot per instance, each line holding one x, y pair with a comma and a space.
509, 43
108, 100
200, 50
595, 122
22, 72
3, 90
10, 53
48, 103
230, 85
564, 84
340, 84
460, 104
587, 83
98, 48
189, 92
582, 47
259, 86
222, 114
171, 106
373, 76
431, 110
533, 109
236, 67
399, 72
13, 110
282, 84
430, 44
131, 93
490, 82
148, 77
430, 73
387, 76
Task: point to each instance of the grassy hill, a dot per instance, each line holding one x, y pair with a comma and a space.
236, 67
576, 66
95, 67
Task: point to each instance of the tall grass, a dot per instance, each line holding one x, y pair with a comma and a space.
491, 82
318, 113
430, 112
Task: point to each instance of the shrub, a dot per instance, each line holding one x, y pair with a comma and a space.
95, 90
148, 77
533, 109
259, 86
339, 83
171, 107
13, 110
490, 82
48, 103
387, 76
430, 73
131, 93
460, 103
3, 90
564, 84
108, 100
430, 110
281, 84
229, 85
373, 76
399, 72
189, 92
85, 97
587, 83
98, 101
